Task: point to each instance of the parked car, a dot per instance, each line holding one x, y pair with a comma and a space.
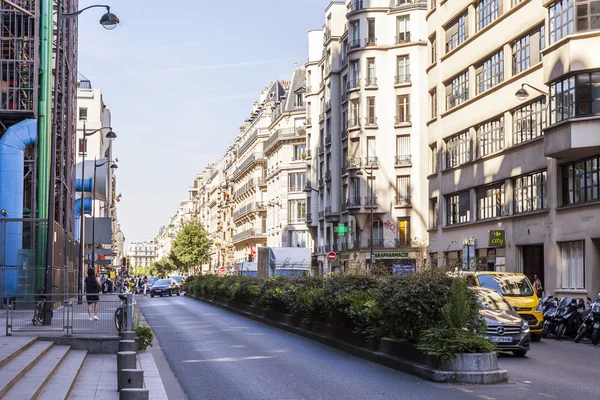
505, 328
165, 287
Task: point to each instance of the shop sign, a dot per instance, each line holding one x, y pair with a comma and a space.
496, 238
392, 255
344, 256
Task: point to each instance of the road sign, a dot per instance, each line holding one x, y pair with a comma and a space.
222, 270
331, 256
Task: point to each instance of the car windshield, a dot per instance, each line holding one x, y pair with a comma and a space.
162, 282
491, 301
508, 285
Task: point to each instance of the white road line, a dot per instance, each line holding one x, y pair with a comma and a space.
547, 395
465, 390
486, 397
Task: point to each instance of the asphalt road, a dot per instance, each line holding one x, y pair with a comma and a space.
215, 355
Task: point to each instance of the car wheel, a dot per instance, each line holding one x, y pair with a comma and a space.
560, 331
581, 333
152, 295
519, 353
535, 337
170, 293
595, 336
545, 331
178, 292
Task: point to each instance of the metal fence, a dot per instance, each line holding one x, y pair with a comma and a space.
71, 314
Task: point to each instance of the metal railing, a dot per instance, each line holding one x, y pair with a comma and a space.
402, 4
344, 97
353, 122
248, 208
283, 133
72, 314
248, 161
404, 78
370, 121
252, 183
371, 201
371, 161
371, 41
328, 140
402, 37
401, 119
353, 84
403, 159
353, 202
403, 200
249, 233
371, 81
356, 5
353, 44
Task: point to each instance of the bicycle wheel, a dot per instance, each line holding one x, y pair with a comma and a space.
119, 318
38, 313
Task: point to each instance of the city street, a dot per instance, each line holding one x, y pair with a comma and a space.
219, 355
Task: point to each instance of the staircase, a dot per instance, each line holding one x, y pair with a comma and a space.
32, 369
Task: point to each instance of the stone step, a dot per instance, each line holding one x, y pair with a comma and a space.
62, 381
33, 382
9, 349
21, 364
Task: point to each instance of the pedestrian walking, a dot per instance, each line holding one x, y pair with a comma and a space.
92, 290
145, 284
537, 286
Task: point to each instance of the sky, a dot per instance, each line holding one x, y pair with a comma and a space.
180, 78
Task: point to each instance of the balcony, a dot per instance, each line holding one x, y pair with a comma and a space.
371, 201
371, 162
402, 37
327, 105
389, 243
371, 82
344, 97
326, 35
247, 143
252, 158
321, 182
249, 234
353, 202
282, 134
321, 148
353, 44
401, 120
400, 79
356, 5
327, 140
370, 42
343, 60
403, 160
308, 154
353, 84
252, 183
353, 123
328, 210
247, 209
353, 163
322, 117
321, 214
403, 200
328, 175
397, 5
371, 122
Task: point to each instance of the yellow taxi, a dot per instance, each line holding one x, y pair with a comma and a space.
519, 293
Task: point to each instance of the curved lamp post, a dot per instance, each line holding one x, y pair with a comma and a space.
522, 93
109, 20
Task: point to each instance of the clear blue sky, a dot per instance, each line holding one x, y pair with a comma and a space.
180, 77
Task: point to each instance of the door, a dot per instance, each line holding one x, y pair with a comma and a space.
533, 262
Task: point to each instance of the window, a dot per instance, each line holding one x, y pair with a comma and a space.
457, 91
299, 100
490, 201
529, 121
354, 113
402, 108
403, 29
560, 20
433, 158
404, 231
371, 79
457, 32
297, 181
487, 11
403, 190
355, 42
402, 69
458, 208
491, 72
354, 192
83, 112
371, 119
299, 150
82, 146
575, 96
371, 38
580, 181
378, 232
433, 49
526, 51
458, 150
371, 198
530, 192
297, 210
298, 239
354, 75
433, 212
433, 101
403, 151
573, 265
490, 137
371, 151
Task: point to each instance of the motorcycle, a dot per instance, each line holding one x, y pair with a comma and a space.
550, 307
596, 315
568, 317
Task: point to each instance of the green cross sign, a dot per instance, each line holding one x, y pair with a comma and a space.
341, 229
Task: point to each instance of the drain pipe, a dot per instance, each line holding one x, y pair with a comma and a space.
12, 168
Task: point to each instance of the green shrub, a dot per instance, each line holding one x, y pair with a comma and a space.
145, 337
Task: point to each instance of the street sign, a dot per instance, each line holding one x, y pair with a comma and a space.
341, 229
496, 238
222, 270
331, 256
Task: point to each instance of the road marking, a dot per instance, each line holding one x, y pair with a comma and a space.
465, 390
486, 397
547, 395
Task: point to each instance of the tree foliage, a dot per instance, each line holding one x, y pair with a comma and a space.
190, 248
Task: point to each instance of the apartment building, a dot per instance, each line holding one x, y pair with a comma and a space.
513, 139
366, 122
167, 233
141, 254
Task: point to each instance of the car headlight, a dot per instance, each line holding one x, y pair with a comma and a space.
525, 327
539, 308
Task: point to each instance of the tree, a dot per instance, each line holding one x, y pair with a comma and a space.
191, 247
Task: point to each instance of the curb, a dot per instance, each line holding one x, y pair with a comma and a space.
423, 371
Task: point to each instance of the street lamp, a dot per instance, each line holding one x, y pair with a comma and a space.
522, 94
370, 185
110, 135
96, 166
109, 20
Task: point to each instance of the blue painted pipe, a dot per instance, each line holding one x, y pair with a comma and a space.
12, 167
87, 183
87, 205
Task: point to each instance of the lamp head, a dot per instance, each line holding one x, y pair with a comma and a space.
521, 94
109, 20
359, 173
3, 213
111, 134
114, 166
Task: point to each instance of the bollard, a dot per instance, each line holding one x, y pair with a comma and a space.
126, 360
128, 345
134, 394
127, 335
130, 379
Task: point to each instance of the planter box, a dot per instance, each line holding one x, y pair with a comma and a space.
306, 325
407, 351
273, 315
292, 320
471, 362
319, 327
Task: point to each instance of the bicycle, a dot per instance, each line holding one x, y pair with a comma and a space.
121, 314
38, 308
